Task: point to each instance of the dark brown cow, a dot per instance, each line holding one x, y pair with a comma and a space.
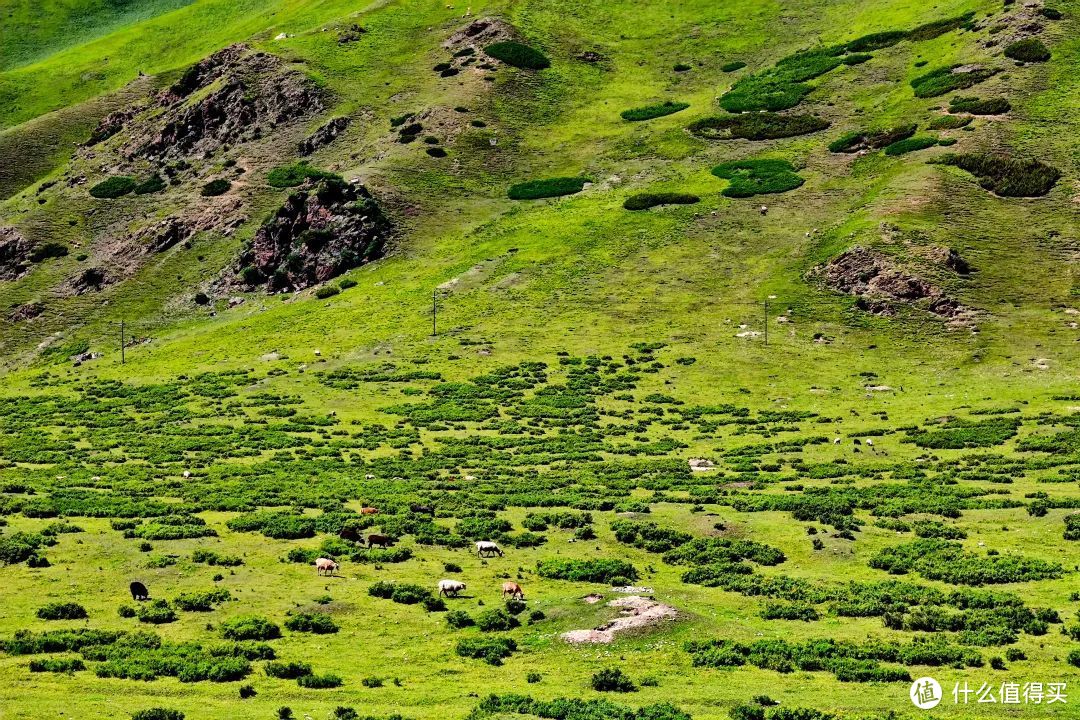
349, 535
380, 540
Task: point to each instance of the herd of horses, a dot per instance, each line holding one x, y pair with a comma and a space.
327, 566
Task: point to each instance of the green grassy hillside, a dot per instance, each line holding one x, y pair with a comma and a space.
822, 387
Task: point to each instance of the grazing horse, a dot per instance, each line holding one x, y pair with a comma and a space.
486, 547
380, 540
450, 587
325, 565
139, 591
513, 590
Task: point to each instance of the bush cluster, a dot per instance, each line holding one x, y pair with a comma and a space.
1005, 176
757, 177
649, 112
62, 611
518, 55
644, 201
598, 570
550, 187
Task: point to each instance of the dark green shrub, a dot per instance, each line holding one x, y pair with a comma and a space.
756, 126
790, 611
681, 67
316, 623
57, 665
937, 559
114, 187
458, 619
937, 28
757, 177
319, 682
152, 184
903, 147
327, 291
209, 557
156, 612
1050, 13
201, 601
249, 628
62, 611
612, 680
650, 112
347, 283
518, 55
218, 186
550, 187
436, 152
48, 250
1005, 176
644, 201
492, 650
948, 122
975, 106
497, 620
732, 66
157, 714
285, 176
870, 139
876, 41
1027, 50
946, 79
287, 670
598, 570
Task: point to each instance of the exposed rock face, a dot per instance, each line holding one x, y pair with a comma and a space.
15, 252
247, 94
324, 135
879, 283
27, 311
481, 33
322, 230
89, 280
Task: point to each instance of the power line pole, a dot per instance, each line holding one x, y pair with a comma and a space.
766, 322
123, 359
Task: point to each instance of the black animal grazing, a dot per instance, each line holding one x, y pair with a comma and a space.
349, 534
139, 591
422, 510
380, 540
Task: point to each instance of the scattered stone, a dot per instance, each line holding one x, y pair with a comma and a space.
638, 613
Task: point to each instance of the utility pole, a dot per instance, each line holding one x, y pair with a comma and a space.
766, 322
123, 359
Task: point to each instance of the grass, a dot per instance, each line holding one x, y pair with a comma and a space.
563, 283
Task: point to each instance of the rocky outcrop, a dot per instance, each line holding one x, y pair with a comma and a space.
325, 135
323, 229
15, 252
233, 96
881, 284
26, 311
480, 33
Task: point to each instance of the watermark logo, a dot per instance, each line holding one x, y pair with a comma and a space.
925, 693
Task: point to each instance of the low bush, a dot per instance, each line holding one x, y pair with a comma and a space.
152, 184
62, 611
903, 147
937, 28
57, 665
114, 187
218, 186
790, 611
327, 291
295, 174
209, 557
518, 55
857, 140
975, 106
1005, 176
938, 559
157, 714
550, 187
612, 680
319, 682
644, 201
947, 79
458, 619
598, 570
318, 623
948, 122
650, 112
249, 628
732, 66
201, 601
287, 670
757, 177
497, 620
156, 612
756, 126
1027, 50
492, 650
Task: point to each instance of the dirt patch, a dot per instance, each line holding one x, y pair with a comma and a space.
881, 284
480, 33
636, 613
